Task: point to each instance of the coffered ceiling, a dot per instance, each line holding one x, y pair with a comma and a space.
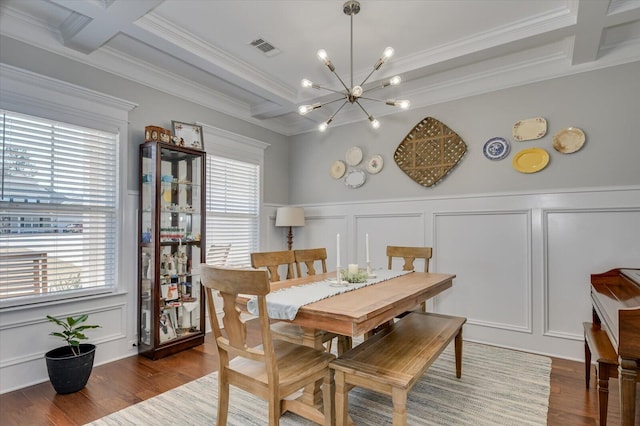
444, 49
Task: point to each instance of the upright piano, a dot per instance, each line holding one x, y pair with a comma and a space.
615, 296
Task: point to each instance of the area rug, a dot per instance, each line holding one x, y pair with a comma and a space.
498, 387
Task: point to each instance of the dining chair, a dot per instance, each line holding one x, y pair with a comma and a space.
309, 258
410, 254
272, 371
272, 260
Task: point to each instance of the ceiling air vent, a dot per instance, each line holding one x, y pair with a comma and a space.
265, 47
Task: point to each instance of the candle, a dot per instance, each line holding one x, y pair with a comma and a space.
338, 251
367, 246
352, 268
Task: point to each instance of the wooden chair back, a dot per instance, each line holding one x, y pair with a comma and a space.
272, 260
309, 257
272, 371
409, 254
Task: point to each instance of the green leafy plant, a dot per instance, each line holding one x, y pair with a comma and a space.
72, 330
358, 277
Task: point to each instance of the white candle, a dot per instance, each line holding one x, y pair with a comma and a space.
367, 246
352, 268
338, 251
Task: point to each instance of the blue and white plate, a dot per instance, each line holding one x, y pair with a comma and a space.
496, 148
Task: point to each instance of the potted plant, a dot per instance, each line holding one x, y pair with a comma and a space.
70, 366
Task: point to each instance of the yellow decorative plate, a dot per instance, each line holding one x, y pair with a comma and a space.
531, 160
569, 140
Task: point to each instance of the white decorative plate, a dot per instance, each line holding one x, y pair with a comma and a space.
337, 169
568, 140
355, 179
529, 129
375, 164
496, 148
353, 156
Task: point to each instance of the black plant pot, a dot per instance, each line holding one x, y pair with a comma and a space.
69, 373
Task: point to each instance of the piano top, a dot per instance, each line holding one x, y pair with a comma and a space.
616, 299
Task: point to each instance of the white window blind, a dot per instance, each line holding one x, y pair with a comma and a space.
232, 204
58, 208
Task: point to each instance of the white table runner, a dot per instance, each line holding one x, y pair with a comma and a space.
284, 303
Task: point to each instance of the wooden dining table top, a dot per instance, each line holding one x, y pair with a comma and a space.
355, 312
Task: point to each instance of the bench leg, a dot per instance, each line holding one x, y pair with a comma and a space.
603, 392
399, 400
458, 348
587, 363
341, 399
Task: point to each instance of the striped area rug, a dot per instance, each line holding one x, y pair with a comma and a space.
498, 387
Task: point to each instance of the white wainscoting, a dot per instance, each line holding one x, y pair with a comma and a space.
522, 261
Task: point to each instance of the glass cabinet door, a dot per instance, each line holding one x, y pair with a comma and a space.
171, 241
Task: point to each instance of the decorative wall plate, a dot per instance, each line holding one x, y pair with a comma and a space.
496, 148
374, 164
568, 140
429, 152
353, 156
355, 179
337, 169
529, 129
531, 160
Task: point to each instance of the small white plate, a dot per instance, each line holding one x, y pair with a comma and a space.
375, 164
355, 179
568, 140
337, 169
353, 156
529, 129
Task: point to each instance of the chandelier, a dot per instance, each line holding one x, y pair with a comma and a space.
352, 94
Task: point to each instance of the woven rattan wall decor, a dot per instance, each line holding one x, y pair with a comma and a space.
429, 152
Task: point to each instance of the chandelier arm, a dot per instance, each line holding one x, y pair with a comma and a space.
330, 90
335, 100
344, 85
372, 99
338, 110
363, 110
367, 77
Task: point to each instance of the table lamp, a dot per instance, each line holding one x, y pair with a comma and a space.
290, 216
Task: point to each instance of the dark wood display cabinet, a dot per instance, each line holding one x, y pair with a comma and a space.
171, 241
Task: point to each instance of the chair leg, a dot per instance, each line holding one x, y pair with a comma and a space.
603, 392
458, 350
275, 409
223, 398
328, 398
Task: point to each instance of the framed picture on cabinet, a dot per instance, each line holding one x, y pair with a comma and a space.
167, 332
185, 134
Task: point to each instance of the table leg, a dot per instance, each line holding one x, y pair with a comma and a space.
312, 395
628, 376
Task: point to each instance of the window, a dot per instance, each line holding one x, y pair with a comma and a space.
58, 208
233, 194
232, 204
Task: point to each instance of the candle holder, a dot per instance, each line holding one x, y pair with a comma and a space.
369, 274
338, 282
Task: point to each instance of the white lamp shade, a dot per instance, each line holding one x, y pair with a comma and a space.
290, 216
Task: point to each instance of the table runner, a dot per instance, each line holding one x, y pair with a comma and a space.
284, 303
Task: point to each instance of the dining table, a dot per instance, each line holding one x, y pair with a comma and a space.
354, 313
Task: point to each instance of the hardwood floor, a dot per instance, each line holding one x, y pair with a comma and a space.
125, 382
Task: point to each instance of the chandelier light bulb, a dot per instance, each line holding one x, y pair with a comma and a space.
404, 104
322, 55
356, 91
306, 83
323, 126
394, 81
304, 109
374, 122
388, 52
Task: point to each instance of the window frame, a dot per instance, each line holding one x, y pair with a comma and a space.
33, 94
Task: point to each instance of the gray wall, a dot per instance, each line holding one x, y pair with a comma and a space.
605, 104
155, 108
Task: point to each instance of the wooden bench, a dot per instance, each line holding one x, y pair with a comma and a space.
598, 346
392, 361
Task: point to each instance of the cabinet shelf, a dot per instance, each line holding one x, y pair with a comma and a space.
171, 304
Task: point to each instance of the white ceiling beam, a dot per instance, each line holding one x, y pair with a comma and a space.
590, 25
